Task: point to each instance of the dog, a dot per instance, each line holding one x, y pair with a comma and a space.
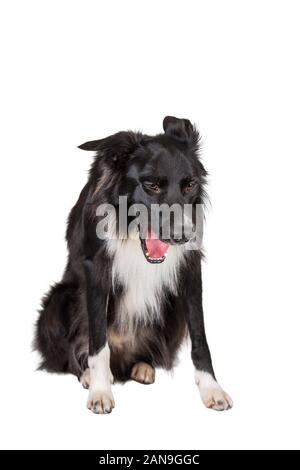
127, 300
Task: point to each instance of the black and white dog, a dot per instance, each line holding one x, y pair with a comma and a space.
128, 300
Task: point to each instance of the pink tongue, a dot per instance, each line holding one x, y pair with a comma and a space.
156, 248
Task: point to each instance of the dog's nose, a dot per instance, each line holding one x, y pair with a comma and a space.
179, 241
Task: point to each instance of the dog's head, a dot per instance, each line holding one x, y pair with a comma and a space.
162, 174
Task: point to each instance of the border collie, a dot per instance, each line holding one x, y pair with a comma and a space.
130, 295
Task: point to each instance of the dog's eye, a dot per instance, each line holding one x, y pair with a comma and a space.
152, 186
189, 186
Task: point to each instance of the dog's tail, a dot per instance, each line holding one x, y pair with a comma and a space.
53, 325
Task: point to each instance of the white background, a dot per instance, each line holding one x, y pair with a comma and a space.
78, 70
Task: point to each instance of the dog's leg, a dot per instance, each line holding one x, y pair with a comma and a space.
100, 398
211, 393
85, 378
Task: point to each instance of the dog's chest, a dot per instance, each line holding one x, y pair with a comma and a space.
144, 285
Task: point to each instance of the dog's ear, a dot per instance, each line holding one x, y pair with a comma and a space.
181, 130
115, 146
119, 143
92, 145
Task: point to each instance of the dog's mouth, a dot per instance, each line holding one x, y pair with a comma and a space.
155, 250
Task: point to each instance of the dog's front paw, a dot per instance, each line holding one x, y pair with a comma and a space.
101, 402
211, 393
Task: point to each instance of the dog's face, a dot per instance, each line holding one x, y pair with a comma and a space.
162, 174
157, 173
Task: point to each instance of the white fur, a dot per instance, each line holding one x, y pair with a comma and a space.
204, 380
100, 369
100, 396
211, 393
144, 283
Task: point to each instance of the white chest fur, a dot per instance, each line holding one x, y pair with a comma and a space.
144, 284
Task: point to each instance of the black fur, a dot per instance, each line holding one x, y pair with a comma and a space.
78, 314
